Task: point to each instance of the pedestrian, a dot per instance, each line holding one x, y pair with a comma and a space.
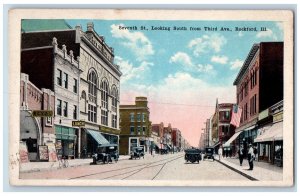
255, 153
250, 157
220, 152
241, 155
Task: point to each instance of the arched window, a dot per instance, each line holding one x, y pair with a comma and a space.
114, 105
104, 102
92, 107
92, 79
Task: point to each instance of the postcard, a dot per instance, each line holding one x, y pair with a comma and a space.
151, 97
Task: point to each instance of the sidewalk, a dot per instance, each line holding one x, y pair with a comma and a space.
262, 171
45, 166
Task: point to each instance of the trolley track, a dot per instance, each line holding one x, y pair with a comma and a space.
134, 171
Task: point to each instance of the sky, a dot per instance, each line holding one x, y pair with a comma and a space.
181, 72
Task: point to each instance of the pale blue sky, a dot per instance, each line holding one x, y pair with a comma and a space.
181, 72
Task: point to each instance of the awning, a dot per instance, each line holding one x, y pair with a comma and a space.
249, 128
215, 144
100, 139
227, 144
270, 133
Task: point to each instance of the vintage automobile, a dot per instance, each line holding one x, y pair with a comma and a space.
209, 153
106, 154
192, 155
137, 152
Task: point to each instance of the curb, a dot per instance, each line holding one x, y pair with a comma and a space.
237, 171
57, 168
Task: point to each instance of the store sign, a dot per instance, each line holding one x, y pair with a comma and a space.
42, 113
78, 123
43, 153
263, 114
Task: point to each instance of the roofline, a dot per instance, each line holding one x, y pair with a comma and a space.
44, 31
37, 48
247, 62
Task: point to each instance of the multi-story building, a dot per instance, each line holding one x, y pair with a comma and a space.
222, 129
98, 83
176, 138
259, 85
35, 130
135, 126
167, 139
159, 130
53, 68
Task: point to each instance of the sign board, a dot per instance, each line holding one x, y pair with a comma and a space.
51, 152
78, 123
263, 114
42, 113
23, 152
43, 153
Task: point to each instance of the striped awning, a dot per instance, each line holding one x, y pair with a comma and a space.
270, 133
227, 144
99, 138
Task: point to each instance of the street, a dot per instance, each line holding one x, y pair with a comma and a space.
158, 167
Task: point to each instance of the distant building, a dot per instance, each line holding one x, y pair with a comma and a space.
135, 126
35, 130
176, 138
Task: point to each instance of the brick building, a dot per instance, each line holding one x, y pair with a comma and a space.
135, 126
35, 131
176, 138
259, 85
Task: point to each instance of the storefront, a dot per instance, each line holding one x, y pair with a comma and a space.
270, 142
65, 141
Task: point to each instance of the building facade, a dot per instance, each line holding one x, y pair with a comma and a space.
176, 139
259, 85
35, 130
98, 84
135, 126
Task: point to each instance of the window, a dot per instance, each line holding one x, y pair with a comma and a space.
65, 111
92, 79
75, 86
114, 96
144, 130
131, 130
246, 111
104, 103
138, 117
139, 130
227, 115
131, 117
65, 80
58, 107
92, 113
114, 120
75, 112
144, 117
59, 76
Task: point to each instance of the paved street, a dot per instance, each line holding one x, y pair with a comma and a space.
159, 167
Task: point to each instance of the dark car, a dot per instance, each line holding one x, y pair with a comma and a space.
106, 154
209, 153
137, 152
192, 155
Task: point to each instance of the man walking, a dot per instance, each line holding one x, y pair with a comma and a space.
250, 157
220, 152
241, 155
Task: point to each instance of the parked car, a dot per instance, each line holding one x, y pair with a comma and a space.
209, 153
137, 152
106, 154
192, 155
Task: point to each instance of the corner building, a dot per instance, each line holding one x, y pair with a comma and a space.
135, 126
98, 83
